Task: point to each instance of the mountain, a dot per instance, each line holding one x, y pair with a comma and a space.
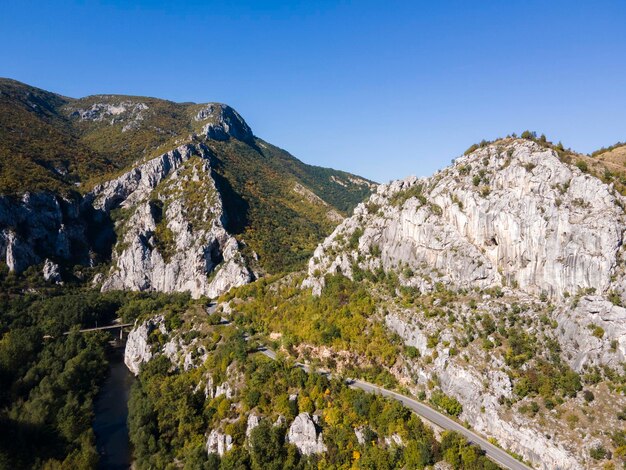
492, 290
503, 277
171, 196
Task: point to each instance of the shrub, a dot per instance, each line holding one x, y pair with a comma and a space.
596, 331
588, 396
447, 403
598, 453
582, 166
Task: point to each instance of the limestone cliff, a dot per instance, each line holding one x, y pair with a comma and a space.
173, 238
505, 214
37, 226
510, 233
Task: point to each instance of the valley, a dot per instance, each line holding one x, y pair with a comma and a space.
487, 299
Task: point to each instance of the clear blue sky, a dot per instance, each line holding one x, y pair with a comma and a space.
383, 89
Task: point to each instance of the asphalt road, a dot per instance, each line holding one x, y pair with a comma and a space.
494, 453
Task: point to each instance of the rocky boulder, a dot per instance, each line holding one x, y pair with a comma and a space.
138, 349
304, 434
253, 422
52, 272
218, 443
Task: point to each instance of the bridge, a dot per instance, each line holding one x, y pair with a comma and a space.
113, 326
121, 326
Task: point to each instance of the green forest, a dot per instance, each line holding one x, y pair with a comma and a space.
49, 380
170, 417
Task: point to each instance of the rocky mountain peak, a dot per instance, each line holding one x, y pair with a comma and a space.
508, 214
223, 122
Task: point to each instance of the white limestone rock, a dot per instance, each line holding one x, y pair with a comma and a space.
37, 226
225, 390
218, 443
360, 435
395, 440
303, 433
52, 272
253, 422
204, 260
223, 123
529, 220
138, 350
592, 333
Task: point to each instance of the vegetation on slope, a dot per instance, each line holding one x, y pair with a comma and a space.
258, 190
39, 149
344, 318
472, 327
278, 205
170, 416
49, 380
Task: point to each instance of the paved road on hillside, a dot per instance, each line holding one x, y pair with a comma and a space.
495, 453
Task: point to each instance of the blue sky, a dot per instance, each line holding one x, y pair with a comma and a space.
381, 89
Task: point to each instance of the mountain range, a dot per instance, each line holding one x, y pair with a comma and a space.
91, 182
493, 290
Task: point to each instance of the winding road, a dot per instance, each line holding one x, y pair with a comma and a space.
494, 453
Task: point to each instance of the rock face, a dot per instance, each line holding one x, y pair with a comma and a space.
223, 122
174, 238
218, 443
504, 214
138, 349
513, 218
304, 435
593, 333
39, 226
127, 112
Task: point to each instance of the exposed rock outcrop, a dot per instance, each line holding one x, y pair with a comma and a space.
218, 443
303, 433
138, 349
39, 226
223, 122
504, 214
174, 239
52, 272
253, 422
593, 333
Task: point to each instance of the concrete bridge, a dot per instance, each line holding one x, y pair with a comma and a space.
113, 326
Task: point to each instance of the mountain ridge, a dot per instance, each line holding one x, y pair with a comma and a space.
511, 234
69, 147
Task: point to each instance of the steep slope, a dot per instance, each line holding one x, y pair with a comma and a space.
40, 150
508, 214
503, 277
61, 157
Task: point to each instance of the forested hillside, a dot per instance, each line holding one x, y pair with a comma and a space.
277, 206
